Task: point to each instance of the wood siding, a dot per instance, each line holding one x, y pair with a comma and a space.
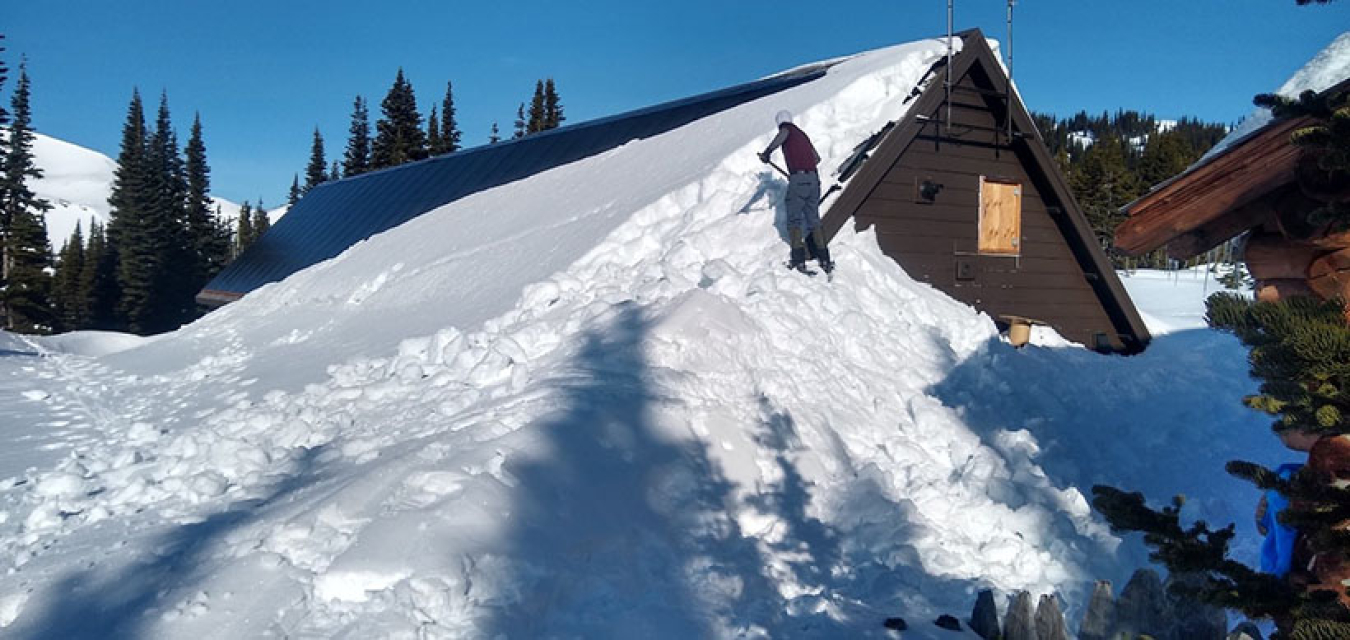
939, 243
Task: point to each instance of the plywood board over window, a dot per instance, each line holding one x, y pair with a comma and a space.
1000, 217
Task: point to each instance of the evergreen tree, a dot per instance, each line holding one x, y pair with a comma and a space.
4, 77
520, 125
399, 137
537, 113
434, 144
334, 172
316, 172
28, 287
25, 252
1324, 163
450, 134
243, 234
1102, 184
71, 311
494, 136
1165, 155
156, 296
127, 201
553, 111
261, 223
294, 195
210, 239
98, 281
4, 121
356, 160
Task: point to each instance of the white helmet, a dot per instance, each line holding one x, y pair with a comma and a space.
783, 117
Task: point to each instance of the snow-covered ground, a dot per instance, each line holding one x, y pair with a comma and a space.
77, 182
1173, 301
592, 404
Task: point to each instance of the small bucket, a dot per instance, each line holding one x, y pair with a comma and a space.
1019, 329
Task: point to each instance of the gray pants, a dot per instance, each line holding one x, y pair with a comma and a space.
803, 202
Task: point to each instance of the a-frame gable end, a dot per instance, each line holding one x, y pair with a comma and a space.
893, 145
1068, 295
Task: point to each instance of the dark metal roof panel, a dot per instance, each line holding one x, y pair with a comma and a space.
336, 215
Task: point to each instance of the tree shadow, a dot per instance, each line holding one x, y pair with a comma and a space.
1054, 416
811, 547
97, 604
9, 353
620, 529
856, 573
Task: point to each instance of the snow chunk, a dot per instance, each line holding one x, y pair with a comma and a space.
355, 585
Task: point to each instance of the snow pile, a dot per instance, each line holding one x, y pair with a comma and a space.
589, 404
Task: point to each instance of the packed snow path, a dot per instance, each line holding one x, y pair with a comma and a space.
663, 434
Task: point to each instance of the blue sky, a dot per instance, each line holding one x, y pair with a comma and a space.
264, 74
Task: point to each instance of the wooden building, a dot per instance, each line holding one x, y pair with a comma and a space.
1262, 185
964, 195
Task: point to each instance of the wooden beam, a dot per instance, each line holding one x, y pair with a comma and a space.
1248, 171
1225, 227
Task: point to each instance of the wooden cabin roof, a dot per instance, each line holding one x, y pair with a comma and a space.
1217, 198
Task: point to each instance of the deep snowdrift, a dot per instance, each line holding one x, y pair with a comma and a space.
593, 404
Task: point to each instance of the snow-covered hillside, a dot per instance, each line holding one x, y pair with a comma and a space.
591, 403
77, 182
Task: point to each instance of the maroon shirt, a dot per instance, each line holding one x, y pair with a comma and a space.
797, 148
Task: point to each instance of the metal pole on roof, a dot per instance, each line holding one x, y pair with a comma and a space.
950, 12
1008, 88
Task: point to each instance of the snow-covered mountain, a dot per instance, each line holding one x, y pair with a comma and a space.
77, 182
591, 403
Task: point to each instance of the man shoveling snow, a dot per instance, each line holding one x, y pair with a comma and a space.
803, 194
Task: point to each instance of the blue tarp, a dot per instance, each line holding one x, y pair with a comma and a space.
1277, 550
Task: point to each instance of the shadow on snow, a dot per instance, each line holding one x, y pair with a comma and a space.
623, 526
1141, 423
123, 604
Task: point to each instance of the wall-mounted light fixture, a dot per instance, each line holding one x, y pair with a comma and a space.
927, 191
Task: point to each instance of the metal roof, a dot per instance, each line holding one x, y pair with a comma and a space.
336, 215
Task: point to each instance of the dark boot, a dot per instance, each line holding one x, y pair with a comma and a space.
797, 256
815, 245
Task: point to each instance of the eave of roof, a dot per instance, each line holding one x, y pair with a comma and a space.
1263, 162
1220, 185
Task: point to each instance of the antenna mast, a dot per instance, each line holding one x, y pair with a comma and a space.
1007, 99
950, 12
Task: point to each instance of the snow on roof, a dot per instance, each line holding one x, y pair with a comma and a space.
1328, 67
